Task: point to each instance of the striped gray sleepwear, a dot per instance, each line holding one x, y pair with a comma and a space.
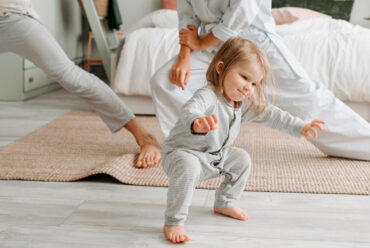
189, 158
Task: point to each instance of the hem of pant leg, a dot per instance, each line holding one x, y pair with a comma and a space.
174, 223
223, 205
115, 130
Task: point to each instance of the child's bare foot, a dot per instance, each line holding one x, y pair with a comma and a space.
176, 234
233, 211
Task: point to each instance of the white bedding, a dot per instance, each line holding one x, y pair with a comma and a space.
333, 52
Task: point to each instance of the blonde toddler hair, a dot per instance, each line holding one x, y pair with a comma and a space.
233, 52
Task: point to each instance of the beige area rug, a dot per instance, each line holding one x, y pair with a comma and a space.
78, 145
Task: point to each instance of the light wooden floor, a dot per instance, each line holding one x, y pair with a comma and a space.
101, 212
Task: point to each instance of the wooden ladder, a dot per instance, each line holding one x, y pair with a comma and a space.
106, 39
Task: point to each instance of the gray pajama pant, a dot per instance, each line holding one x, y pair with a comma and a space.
186, 168
25, 36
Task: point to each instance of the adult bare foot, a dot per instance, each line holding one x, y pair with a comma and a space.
150, 149
233, 212
176, 234
150, 153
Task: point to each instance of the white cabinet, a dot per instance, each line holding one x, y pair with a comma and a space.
21, 79
35, 78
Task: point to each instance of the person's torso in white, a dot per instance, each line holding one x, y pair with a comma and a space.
248, 12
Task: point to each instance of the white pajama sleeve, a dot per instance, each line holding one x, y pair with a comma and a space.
276, 118
236, 18
186, 15
197, 106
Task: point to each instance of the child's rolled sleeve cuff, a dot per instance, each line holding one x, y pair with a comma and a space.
297, 128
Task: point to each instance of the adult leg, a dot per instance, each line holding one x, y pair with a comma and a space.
169, 98
28, 38
31, 40
346, 134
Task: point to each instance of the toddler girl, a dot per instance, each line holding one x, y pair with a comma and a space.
199, 145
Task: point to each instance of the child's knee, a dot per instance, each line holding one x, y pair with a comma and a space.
184, 164
243, 158
189, 170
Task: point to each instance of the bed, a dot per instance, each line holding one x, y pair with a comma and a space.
331, 50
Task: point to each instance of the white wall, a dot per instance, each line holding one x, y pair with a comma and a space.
63, 20
361, 10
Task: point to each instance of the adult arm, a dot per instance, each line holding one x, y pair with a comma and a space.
189, 37
180, 71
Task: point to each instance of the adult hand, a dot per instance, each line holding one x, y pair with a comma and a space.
180, 72
205, 124
310, 128
190, 38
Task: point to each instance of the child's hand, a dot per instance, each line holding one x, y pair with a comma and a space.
190, 38
311, 128
205, 124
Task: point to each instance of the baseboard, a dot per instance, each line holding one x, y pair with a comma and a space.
140, 105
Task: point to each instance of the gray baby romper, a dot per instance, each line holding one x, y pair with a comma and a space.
189, 158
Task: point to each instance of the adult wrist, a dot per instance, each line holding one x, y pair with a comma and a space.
183, 56
201, 45
184, 52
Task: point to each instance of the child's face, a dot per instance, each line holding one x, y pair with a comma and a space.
241, 80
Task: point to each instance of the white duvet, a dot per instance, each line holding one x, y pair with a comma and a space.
333, 52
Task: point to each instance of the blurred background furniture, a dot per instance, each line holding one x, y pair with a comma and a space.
101, 7
106, 39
